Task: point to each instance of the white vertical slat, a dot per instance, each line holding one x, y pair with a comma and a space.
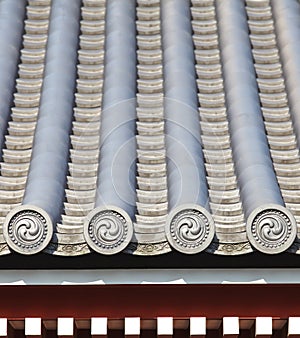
231, 327
65, 327
33, 327
99, 327
164, 326
197, 327
132, 327
263, 327
3, 327
294, 327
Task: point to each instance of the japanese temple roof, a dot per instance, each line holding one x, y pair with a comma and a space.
148, 127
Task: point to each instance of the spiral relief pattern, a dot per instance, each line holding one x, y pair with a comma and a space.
28, 232
108, 231
190, 230
272, 230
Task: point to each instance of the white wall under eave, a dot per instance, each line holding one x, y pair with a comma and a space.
150, 276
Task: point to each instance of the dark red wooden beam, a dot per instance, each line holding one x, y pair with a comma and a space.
148, 301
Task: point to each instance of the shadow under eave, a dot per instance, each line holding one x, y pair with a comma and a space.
173, 260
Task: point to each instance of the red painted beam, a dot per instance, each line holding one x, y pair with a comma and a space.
148, 301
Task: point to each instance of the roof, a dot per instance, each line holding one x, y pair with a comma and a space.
148, 127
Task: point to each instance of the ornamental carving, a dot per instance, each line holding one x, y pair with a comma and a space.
27, 231
272, 230
190, 229
148, 249
68, 249
229, 248
108, 231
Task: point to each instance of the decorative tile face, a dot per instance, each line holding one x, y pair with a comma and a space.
108, 230
271, 229
190, 229
28, 230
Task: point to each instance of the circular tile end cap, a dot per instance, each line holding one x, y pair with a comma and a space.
108, 230
190, 228
28, 229
271, 228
